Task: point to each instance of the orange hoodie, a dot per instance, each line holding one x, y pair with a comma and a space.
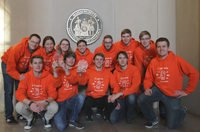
36, 89
110, 56
48, 59
88, 56
98, 82
128, 80
67, 85
130, 49
17, 58
167, 74
142, 57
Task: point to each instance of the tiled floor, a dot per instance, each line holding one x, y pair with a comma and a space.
190, 124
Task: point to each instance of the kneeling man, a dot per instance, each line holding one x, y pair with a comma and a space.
36, 93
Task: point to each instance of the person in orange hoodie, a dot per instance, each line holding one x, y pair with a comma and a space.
109, 51
15, 63
163, 82
83, 53
128, 78
98, 79
127, 44
66, 80
63, 47
36, 93
47, 52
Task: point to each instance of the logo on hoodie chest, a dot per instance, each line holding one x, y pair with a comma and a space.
36, 90
47, 62
98, 84
124, 83
163, 74
147, 59
130, 56
108, 62
25, 61
67, 85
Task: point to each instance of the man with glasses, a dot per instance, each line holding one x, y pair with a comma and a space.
15, 63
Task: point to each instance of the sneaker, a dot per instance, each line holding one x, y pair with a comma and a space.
11, 121
47, 123
29, 124
129, 120
184, 109
98, 113
104, 116
76, 124
151, 124
89, 118
21, 118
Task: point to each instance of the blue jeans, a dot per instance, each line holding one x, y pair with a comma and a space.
127, 107
8, 91
174, 115
75, 104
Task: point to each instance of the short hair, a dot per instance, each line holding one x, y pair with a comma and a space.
48, 38
70, 54
126, 31
99, 54
144, 33
35, 35
37, 56
59, 48
123, 53
81, 41
161, 40
108, 36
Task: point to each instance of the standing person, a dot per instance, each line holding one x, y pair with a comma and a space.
83, 53
66, 81
127, 44
15, 63
47, 52
128, 78
36, 93
109, 51
98, 79
166, 73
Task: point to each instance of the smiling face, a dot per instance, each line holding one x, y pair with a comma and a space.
49, 45
82, 48
64, 46
98, 61
33, 43
37, 65
122, 60
145, 41
162, 49
70, 61
126, 38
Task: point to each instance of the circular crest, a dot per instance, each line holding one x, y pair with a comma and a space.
84, 24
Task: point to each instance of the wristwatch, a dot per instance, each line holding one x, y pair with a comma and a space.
47, 102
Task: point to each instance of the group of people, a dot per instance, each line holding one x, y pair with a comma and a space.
135, 72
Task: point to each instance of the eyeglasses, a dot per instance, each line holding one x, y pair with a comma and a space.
145, 38
65, 44
107, 42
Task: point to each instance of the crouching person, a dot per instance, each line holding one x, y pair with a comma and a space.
66, 80
36, 93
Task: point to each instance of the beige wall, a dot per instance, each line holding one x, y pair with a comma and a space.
48, 17
188, 45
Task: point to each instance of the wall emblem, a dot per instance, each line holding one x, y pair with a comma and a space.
84, 24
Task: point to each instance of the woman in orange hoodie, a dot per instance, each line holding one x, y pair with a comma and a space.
47, 52
128, 78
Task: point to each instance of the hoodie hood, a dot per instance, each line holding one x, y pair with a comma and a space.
169, 56
87, 52
152, 46
122, 45
113, 48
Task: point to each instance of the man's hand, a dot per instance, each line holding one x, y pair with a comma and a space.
118, 106
22, 77
55, 66
34, 108
42, 106
148, 92
180, 93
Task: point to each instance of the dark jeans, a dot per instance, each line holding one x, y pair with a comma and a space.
174, 115
8, 91
127, 106
101, 102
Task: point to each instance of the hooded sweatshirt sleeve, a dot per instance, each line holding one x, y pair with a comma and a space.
113, 83
51, 91
149, 78
138, 63
136, 79
22, 89
191, 72
83, 79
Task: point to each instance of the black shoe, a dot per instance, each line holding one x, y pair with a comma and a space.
47, 123
99, 111
29, 124
21, 118
89, 118
104, 116
129, 120
11, 121
151, 124
76, 124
